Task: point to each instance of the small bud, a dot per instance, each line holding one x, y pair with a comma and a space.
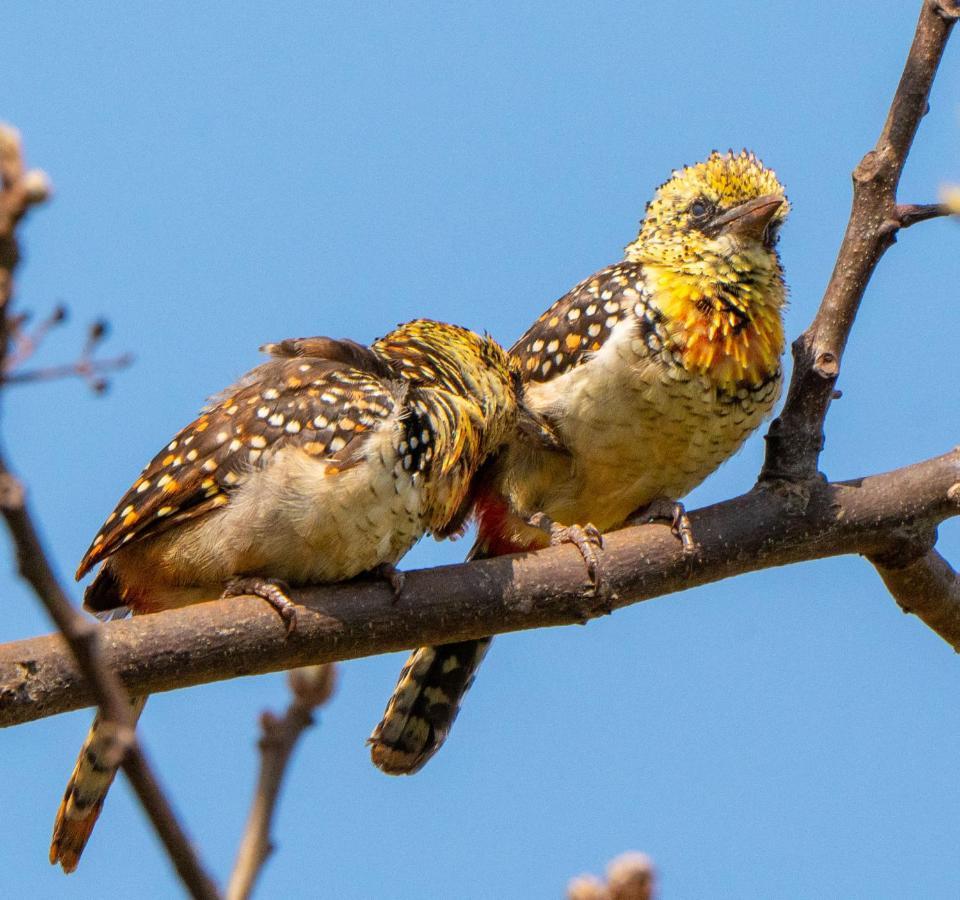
950, 195
37, 186
313, 685
59, 314
99, 329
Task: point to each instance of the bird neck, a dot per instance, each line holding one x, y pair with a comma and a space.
726, 321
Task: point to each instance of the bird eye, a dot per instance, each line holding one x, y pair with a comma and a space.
700, 209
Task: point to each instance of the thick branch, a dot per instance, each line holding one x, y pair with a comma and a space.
770, 526
796, 436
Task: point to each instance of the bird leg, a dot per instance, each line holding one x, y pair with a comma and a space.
662, 509
394, 577
273, 590
589, 541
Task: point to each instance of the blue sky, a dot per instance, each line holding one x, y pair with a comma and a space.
237, 173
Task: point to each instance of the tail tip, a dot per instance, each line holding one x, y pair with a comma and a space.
392, 760
70, 837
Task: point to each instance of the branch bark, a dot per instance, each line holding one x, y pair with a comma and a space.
929, 588
888, 516
795, 438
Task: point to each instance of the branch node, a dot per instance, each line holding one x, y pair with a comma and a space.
906, 546
826, 365
888, 229
868, 167
946, 9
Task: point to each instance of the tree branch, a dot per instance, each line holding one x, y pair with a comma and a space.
311, 687
769, 526
20, 189
907, 214
795, 438
929, 588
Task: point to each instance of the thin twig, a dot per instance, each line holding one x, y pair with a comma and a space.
86, 366
26, 343
242, 636
907, 214
19, 190
85, 369
311, 687
795, 438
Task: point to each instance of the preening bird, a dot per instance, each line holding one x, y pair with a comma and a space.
651, 373
329, 460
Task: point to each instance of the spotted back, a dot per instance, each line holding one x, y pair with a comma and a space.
579, 323
326, 407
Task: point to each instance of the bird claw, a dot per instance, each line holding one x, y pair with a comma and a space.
274, 591
394, 577
672, 511
589, 541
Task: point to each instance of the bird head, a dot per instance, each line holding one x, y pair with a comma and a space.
719, 215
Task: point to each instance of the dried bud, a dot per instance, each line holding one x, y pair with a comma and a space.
950, 195
37, 186
631, 876
587, 887
99, 329
313, 685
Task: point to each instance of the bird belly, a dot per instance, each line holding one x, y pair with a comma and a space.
299, 519
637, 430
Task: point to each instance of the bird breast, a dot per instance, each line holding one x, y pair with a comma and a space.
639, 427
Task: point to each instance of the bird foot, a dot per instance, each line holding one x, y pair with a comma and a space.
663, 509
274, 591
394, 577
589, 541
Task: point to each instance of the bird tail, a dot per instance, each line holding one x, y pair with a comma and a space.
95, 769
86, 790
434, 680
424, 705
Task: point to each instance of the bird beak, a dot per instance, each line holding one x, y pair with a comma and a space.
749, 219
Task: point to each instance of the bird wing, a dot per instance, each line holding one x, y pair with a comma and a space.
579, 323
327, 408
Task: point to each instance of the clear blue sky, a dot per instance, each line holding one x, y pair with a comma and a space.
238, 173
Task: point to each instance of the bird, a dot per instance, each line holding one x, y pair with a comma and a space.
329, 460
651, 373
